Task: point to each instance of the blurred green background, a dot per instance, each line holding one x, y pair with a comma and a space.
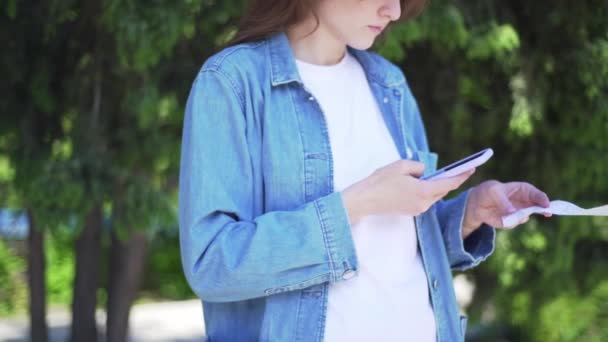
90, 132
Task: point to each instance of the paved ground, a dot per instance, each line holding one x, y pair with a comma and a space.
155, 322
159, 322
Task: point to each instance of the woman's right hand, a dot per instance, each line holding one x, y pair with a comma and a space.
397, 189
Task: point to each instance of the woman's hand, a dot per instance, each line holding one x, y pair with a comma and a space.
396, 189
491, 200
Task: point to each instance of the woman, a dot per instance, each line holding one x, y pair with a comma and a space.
302, 215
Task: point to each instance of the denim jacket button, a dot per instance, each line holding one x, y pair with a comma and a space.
348, 274
311, 98
435, 283
385, 100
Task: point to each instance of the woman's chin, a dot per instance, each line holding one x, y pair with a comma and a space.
361, 44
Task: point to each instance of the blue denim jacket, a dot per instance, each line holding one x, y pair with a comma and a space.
262, 231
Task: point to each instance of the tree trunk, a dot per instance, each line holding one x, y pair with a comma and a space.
37, 285
84, 300
126, 266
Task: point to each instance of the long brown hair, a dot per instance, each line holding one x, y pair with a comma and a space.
265, 17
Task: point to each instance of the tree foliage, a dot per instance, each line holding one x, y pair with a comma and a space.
530, 80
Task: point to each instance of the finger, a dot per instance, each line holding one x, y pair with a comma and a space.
538, 197
443, 186
502, 200
513, 188
529, 195
496, 222
409, 167
439, 196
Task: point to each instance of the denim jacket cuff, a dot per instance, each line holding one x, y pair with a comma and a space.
337, 236
477, 247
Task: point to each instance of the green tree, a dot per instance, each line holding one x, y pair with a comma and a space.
529, 79
91, 92
90, 132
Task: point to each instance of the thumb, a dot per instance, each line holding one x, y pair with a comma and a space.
504, 202
410, 167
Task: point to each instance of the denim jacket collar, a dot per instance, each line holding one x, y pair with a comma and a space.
283, 68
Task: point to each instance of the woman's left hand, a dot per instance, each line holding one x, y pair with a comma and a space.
491, 200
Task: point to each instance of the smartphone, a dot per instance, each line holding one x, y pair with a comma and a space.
461, 166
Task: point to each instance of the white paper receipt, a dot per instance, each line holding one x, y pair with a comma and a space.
556, 208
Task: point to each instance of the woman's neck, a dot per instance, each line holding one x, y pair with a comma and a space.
319, 47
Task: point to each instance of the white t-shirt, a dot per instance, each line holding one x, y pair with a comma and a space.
389, 299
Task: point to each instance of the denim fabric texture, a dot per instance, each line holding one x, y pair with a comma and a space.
262, 232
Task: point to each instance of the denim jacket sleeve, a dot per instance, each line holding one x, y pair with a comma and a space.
470, 252
228, 252
462, 254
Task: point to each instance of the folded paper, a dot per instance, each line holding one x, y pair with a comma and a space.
556, 208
